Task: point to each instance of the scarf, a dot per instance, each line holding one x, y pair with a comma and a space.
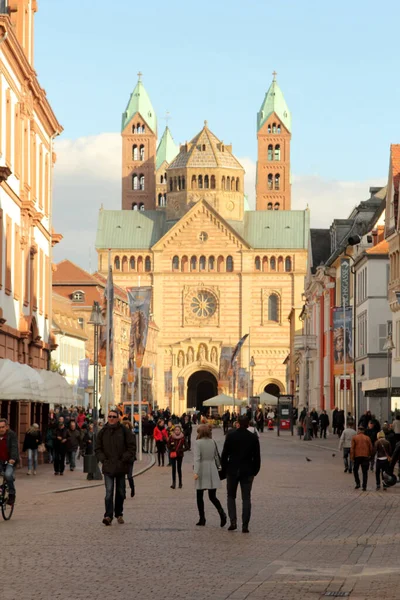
177, 437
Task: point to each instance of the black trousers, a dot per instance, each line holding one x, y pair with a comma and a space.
177, 462
363, 462
59, 460
212, 494
323, 431
381, 467
188, 440
246, 483
160, 452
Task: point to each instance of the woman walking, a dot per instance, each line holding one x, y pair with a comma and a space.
33, 438
176, 447
161, 439
126, 423
383, 451
206, 473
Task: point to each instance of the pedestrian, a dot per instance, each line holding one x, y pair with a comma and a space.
116, 449
161, 439
396, 427
373, 435
32, 441
241, 462
345, 444
74, 440
360, 453
9, 457
259, 417
49, 439
253, 429
148, 433
187, 432
383, 451
308, 426
390, 436
128, 424
81, 418
226, 417
324, 423
176, 447
340, 423
365, 419
314, 421
206, 473
60, 449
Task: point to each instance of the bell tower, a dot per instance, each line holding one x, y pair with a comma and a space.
22, 14
274, 126
139, 146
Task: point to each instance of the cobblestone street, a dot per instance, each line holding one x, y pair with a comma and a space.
311, 534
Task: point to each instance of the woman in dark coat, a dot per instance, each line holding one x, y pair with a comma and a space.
32, 441
176, 447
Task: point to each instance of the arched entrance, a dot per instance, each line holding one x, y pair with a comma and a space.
201, 386
272, 389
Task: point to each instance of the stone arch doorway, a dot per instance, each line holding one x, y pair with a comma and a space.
201, 386
272, 389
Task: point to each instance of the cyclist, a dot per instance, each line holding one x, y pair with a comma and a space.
8, 454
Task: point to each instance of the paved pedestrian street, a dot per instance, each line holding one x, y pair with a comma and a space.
311, 534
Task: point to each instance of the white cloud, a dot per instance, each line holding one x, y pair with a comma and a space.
88, 174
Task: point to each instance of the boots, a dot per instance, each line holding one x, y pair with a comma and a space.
132, 486
223, 516
202, 521
232, 526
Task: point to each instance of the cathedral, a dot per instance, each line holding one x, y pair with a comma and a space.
218, 270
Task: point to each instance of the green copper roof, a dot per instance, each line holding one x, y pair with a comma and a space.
274, 102
274, 229
167, 149
126, 229
139, 102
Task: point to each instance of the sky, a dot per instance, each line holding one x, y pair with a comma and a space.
336, 65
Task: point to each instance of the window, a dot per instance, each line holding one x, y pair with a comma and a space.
288, 264
272, 263
237, 184
193, 182
202, 263
175, 263
277, 181
124, 264
213, 182
134, 152
229, 264
257, 263
138, 128
81, 322
141, 182
382, 337
78, 296
161, 200
171, 185
276, 206
193, 263
206, 182
132, 263
183, 182
220, 264
142, 152
117, 263
140, 264
147, 264
179, 183
362, 334
133, 129
161, 178
278, 129
273, 127
184, 264
228, 183
277, 155
270, 152
265, 264
273, 308
269, 128
269, 207
211, 263
270, 181
200, 182
204, 148
135, 182
141, 206
223, 183
232, 184
134, 206
143, 129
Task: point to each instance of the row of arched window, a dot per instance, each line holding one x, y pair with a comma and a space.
162, 200
177, 183
163, 178
209, 182
274, 153
274, 182
137, 206
221, 264
275, 206
138, 128
138, 152
134, 263
267, 264
138, 182
274, 128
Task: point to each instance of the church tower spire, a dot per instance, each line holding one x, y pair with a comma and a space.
139, 143
274, 126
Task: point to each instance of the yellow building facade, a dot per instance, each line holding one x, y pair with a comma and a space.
217, 270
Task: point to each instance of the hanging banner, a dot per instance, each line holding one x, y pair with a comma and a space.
168, 384
243, 383
345, 281
139, 304
108, 305
342, 340
83, 373
225, 366
238, 348
181, 388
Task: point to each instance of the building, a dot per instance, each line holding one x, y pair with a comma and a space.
28, 127
217, 271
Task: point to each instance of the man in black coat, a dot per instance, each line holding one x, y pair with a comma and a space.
241, 461
116, 449
324, 422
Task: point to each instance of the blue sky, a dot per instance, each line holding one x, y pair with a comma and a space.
336, 64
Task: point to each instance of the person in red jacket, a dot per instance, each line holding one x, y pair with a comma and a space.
161, 439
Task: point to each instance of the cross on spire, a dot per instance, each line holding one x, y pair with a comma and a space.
167, 117
274, 74
140, 75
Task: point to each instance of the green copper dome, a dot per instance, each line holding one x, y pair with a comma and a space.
274, 102
139, 102
167, 149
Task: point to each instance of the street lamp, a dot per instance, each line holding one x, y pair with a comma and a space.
252, 365
96, 319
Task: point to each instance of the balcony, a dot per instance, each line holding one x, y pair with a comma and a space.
304, 342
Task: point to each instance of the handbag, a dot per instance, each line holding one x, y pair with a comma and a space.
218, 464
173, 454
41, 448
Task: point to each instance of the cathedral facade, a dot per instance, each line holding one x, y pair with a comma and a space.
218, 271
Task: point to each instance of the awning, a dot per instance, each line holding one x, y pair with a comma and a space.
379, 387
19, 382
221, 400
56, 388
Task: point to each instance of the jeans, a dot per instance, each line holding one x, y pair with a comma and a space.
117, 481
348, 463
149, 443
32, 458
71, 458
363, 462
246, 483
188, 440
59, 460
177, 462
381, 466
212, 494
9, 477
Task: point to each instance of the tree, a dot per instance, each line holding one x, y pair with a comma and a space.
55, 367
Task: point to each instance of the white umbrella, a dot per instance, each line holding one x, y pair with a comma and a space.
220, 400
268, 399
19, 382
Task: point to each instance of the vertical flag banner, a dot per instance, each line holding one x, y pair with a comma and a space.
168, 384
83, 373
139, 304
225, 367
243, 383
342, 338
238, 348
345, 281
108, 305
181, 388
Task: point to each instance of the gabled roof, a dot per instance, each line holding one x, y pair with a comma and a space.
124, 229
68, 272
274, 229
274, 102
140, 102
205, 150
381, 248
167, 149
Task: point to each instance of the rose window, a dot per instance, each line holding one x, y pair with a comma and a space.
203, 304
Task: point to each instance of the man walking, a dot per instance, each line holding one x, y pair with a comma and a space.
116, 449
60, 447
345, 444
8, 454
324, 423
241, 461
360, 453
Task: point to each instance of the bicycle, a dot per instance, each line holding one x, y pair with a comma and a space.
6, 509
